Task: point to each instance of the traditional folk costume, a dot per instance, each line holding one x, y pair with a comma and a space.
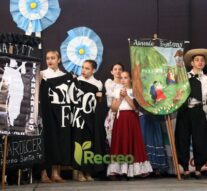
151, 126
192, 123
191, 119
110, 85
127, 140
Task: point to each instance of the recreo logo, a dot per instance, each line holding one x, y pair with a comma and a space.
81, 151
90, 158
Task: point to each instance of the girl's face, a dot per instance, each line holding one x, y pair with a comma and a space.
52, 60
87, 70
116, 71
125, 80
198, 62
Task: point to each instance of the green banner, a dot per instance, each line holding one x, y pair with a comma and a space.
160, 82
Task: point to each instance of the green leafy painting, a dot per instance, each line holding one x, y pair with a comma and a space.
160, 82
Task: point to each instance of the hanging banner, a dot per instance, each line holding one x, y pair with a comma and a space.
160, 81
19, 84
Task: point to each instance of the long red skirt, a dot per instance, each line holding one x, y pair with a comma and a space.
127, 140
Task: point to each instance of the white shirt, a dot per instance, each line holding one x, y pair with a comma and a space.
50, 73
93, 81
110, 85
124, 104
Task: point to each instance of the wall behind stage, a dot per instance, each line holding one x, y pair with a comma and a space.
117, 20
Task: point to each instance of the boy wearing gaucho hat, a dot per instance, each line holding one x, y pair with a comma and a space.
191, 118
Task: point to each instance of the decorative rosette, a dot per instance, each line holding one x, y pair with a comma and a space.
81, 44
34, 15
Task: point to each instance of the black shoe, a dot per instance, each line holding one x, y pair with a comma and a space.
131, 179
113, 178
186, 176
123, 178
199, 176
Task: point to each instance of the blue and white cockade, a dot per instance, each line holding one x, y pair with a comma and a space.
34, 15
82, 43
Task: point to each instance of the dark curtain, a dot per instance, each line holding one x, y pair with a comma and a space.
116, 21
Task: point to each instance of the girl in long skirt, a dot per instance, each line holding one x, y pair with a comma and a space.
151, 126
110, 85
126, 134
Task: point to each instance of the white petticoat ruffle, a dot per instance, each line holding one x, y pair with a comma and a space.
130, 170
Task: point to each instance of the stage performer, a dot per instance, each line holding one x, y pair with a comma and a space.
56, 135
110, 85
88, 135
126, 134
191, 118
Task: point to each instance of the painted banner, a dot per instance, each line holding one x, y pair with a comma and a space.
160, 82
19, 84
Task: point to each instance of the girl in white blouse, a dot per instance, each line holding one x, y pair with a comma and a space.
110, 85
126, 134
53, 61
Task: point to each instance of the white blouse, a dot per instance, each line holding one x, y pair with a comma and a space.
124, 104
110, 85
50, 73
93, 81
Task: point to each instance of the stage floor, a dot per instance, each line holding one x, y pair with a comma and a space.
162, 184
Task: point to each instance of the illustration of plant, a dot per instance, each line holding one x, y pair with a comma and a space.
78, 153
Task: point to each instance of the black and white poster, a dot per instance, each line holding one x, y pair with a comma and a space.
19, 84
58, 96
72, 122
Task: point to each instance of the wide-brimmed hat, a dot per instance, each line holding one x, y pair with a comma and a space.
193, 52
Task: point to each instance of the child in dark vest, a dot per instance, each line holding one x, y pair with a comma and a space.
191, 118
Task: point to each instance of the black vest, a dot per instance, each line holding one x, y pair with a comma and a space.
196, 90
